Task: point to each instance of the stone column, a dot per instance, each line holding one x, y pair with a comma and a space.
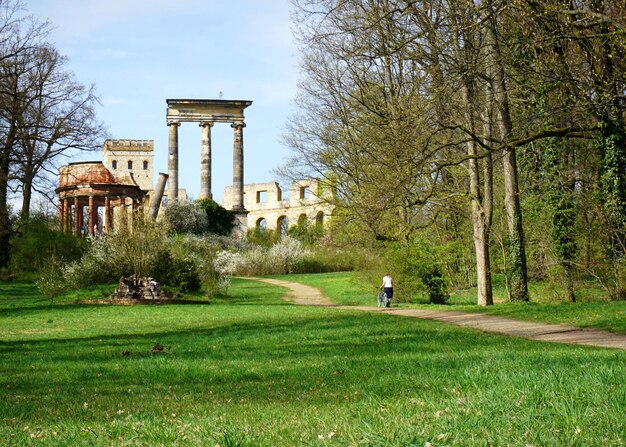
107, 221
172, 162
238, 165
205, 162
155, 204
61, 215
78, 217
91, 214
67, 210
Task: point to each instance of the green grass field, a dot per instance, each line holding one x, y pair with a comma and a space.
250, 370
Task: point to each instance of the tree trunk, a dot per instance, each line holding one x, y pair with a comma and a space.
518, 276
481, 223
5, 221
27, 193
481, 205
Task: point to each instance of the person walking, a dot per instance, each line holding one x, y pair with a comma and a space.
387, 287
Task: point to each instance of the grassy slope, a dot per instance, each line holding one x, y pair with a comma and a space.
343, 288
250, 370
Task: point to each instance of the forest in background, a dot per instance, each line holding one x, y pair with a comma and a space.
467, 138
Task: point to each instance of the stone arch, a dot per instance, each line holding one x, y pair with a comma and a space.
282, 224
302, 219
261, 223
319, 218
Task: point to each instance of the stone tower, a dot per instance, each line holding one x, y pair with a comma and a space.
130, 158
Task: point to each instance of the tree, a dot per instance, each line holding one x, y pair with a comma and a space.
59, 116
44, 112
18, 36
400, 93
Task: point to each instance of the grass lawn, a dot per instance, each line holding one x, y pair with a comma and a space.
344, 288
252, 370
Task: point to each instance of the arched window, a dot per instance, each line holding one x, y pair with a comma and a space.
261, 224
114, 164
319, 219
145, 165
282, 224
302, 220
130, 165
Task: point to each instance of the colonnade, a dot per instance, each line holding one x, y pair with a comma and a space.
72, 210
206, 112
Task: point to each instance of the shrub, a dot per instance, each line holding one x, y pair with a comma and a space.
220, 221
51, 282
187, 218
134, 250
287, 254
98, 265
36, 244
185, 275
306, 232
175, 272
432, 278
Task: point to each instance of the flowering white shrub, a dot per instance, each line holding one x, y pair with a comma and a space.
227, 262
287, 254
98, 265
281, 258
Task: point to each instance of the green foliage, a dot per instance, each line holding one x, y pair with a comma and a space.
51, 282
35, 245
135, 249
220, 221
417, 269
200, 217
306, 232
262, 236
432, 277
611, 143
175, 272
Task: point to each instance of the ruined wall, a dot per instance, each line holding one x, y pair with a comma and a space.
268, 206
131, 158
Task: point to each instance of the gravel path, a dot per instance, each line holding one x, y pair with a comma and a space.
310, 296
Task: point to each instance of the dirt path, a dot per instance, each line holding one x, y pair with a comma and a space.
310, 296
299, 293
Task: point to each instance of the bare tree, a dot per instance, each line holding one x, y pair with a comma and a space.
59, 118
18, 35
44, 112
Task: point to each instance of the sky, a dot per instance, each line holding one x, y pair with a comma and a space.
139, 53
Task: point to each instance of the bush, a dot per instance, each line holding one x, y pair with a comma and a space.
36, 244
180, 273
220, 221
187, 218
283, 257
432, 278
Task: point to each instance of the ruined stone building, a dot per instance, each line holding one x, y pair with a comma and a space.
267, 208
94, 195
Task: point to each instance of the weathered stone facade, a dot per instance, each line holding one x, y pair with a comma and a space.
130, 158
267, 208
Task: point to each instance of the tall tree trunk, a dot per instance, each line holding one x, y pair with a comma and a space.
518, 276
481, 203
5, 221
27, 193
